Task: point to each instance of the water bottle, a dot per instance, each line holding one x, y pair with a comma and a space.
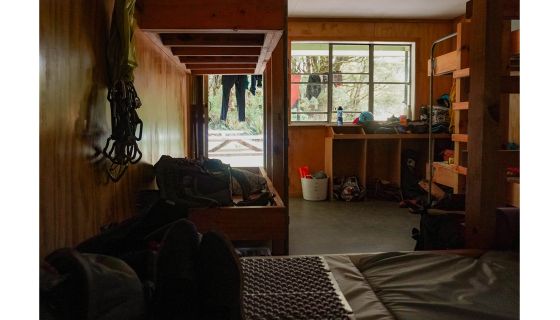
339, 113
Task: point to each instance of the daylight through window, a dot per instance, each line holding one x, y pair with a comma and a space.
375, 77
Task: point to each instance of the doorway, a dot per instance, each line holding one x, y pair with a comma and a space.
236, 141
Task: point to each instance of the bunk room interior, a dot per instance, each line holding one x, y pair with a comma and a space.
278, 159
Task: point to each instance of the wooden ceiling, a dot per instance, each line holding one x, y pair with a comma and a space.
216, 36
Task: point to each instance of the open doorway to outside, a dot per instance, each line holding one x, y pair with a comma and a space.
236, 120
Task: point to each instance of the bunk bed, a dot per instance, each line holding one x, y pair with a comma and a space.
462, 284
249, 223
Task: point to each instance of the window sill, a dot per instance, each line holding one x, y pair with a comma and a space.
318, 124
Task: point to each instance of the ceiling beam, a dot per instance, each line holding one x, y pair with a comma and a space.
212, 39
222, 71
270, 41
510, 9
160, 15
194, 66
220, 59
216, 51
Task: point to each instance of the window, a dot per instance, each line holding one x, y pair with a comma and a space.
375, 77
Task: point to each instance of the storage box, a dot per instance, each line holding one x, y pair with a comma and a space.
314, 189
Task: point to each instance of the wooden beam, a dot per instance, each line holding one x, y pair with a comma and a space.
226, 59
485, 70
158, 15
278, 108
510, 84
510, 10
194, 66
223, 71
270, 41
212, 39
216, 51
515, 44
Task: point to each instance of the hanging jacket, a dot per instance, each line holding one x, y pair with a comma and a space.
313, 87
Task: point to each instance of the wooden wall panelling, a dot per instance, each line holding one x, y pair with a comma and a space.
75, 197
383, 161
307, 148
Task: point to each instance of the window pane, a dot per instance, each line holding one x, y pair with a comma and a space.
341, 77
309, 117
310, 58
316, 78
308, 97
389, 100
351, 58
390, 63
352, 97
347, 117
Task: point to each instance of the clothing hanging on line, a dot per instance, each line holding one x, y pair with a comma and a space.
256, 81
313, 86
241, 84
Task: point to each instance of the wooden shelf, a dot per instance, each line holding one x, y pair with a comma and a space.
462, 73
460, 105
451, 167
515, 48
446, 174
445, 64
460, 137
388, 136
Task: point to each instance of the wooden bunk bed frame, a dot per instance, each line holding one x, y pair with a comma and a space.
251, 223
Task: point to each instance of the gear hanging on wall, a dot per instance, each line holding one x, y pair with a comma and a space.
121, 147
126, 129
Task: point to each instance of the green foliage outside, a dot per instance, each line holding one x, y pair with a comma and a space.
253, 109
351, 81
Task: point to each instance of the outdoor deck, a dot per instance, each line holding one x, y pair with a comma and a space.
236, 147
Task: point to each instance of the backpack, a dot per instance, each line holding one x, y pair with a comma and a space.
194, 183
90, 287
199, 183
348, 189
409, 175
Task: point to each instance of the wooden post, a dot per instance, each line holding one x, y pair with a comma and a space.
278, 119
485, 71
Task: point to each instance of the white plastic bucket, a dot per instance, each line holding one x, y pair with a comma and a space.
314, 189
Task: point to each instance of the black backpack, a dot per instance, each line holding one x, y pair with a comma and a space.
194, 183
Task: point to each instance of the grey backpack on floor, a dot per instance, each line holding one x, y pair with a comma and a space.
90, 287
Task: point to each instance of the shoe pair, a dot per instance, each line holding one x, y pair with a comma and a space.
195, 278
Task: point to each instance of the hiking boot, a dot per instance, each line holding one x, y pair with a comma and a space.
220, 279
176, 281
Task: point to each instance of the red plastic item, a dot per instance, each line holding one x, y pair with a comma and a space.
304, 172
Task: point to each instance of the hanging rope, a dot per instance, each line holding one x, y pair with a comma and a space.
121, 147
126, 129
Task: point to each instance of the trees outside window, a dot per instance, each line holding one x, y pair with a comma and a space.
375, 77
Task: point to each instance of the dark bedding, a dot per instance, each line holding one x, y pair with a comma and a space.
423, 285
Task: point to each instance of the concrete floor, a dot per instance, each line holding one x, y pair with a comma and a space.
349, 227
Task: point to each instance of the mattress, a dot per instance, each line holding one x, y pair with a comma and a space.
385, 286
427, 285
